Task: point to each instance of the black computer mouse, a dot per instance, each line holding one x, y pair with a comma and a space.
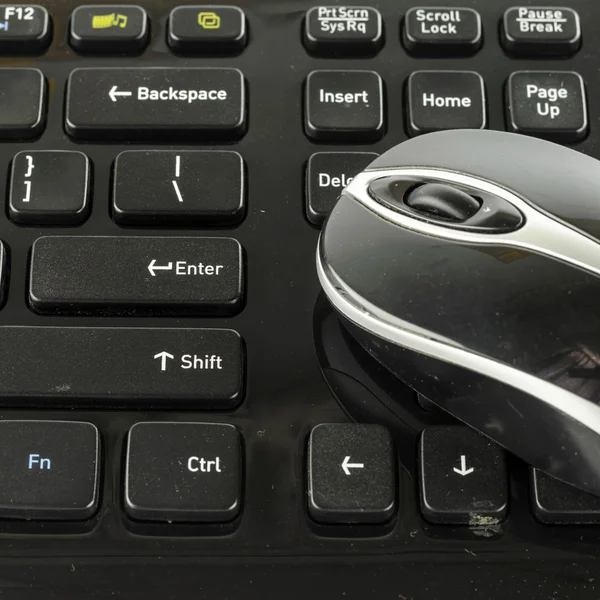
468, 264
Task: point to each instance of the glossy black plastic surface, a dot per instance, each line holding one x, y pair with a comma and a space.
524, 167
492, 214
519, 311
276, 550
516, 306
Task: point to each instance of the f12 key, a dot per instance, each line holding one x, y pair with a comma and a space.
24, 29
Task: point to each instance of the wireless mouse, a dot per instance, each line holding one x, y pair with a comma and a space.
467, 263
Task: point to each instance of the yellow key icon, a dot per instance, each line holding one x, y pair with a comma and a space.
108, 21
209, 20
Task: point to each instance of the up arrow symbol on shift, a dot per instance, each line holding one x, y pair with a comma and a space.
163, 356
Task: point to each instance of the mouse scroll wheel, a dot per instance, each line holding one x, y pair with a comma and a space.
443, 202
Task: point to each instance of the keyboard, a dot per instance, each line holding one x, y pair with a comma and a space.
181, 413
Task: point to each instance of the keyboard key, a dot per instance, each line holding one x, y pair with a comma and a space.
155, 103
49, 470
185, 187
22, 104
541, 30
197, 368
548, 104
49, 187
207, 29
327, 174
442, 31
344, 106
164, 275
557, 503
343, 30
183, 472
351, 474
109, 28
24, 29
463, 477
445, 100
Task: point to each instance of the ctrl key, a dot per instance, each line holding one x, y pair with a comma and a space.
49, 470
183, 472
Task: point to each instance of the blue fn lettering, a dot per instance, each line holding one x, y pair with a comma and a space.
42, 463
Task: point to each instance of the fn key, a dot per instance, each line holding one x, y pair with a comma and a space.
48, 470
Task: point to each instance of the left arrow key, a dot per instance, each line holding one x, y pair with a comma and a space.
351, 473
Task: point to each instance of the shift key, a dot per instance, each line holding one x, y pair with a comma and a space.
136, 275
121, 366
156, 103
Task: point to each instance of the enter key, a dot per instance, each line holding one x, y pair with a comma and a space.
130, 275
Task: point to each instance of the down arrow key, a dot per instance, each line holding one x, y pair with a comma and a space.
462, 476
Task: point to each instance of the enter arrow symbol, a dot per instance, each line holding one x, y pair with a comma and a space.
153, 267
114, 94
463, 467
347, 465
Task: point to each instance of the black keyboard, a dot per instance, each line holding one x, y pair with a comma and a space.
182, 415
